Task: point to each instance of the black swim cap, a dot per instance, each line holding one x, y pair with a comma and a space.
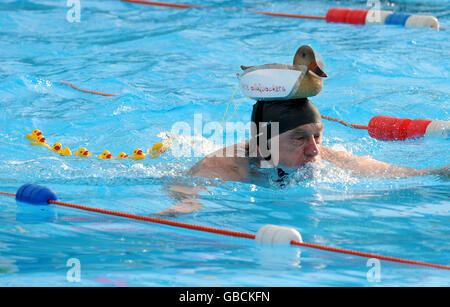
288, 113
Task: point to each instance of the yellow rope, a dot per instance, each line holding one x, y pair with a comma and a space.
226, 111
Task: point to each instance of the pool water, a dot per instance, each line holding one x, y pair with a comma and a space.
165, 65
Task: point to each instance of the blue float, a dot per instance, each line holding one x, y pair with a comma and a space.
396, 19
35, 194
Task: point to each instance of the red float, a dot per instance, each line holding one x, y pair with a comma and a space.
337, 15
357, 17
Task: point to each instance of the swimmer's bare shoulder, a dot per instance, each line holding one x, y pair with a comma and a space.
229, 163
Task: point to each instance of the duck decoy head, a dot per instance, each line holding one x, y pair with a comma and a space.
305, 55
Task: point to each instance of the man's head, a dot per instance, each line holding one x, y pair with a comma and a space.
299, 146
299, 136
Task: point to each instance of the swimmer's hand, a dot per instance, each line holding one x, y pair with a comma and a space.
443, 172
186, 206
186, 197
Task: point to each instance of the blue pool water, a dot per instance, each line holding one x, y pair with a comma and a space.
166, 65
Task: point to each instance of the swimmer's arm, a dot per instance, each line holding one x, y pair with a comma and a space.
227, 169
367, 166
187, 200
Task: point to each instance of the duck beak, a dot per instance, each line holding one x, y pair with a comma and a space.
57, 148
108, 157
39, 133
85, 153
315, 68
139, 152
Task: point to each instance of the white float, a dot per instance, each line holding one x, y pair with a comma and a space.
438, 128
377, 16
273, 234
424, 21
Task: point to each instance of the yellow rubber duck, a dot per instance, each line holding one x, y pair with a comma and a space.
137, 154
57, 147
65, 152
33, 136
40, 140
122, 155
83, 152
105, 155
157, 150
310, 81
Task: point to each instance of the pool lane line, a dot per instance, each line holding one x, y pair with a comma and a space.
9, 194
238, 234
288, 15
188, 6
163, 4
84, 91
156, 220
362, 127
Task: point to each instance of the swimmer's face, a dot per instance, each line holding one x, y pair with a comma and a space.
300, 146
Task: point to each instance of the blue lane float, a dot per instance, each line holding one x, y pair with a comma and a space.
396, 19
35, 195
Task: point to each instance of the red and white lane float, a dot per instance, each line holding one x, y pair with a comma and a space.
362, 17
388, 128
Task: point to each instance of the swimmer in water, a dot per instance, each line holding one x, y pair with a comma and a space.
299, 143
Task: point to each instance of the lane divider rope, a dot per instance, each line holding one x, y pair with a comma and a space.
334, 15
84, 91
163, 4
363, 127
235, 233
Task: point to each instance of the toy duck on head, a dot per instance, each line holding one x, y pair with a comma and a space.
281, 81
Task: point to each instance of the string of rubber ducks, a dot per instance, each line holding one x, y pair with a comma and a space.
37, 138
